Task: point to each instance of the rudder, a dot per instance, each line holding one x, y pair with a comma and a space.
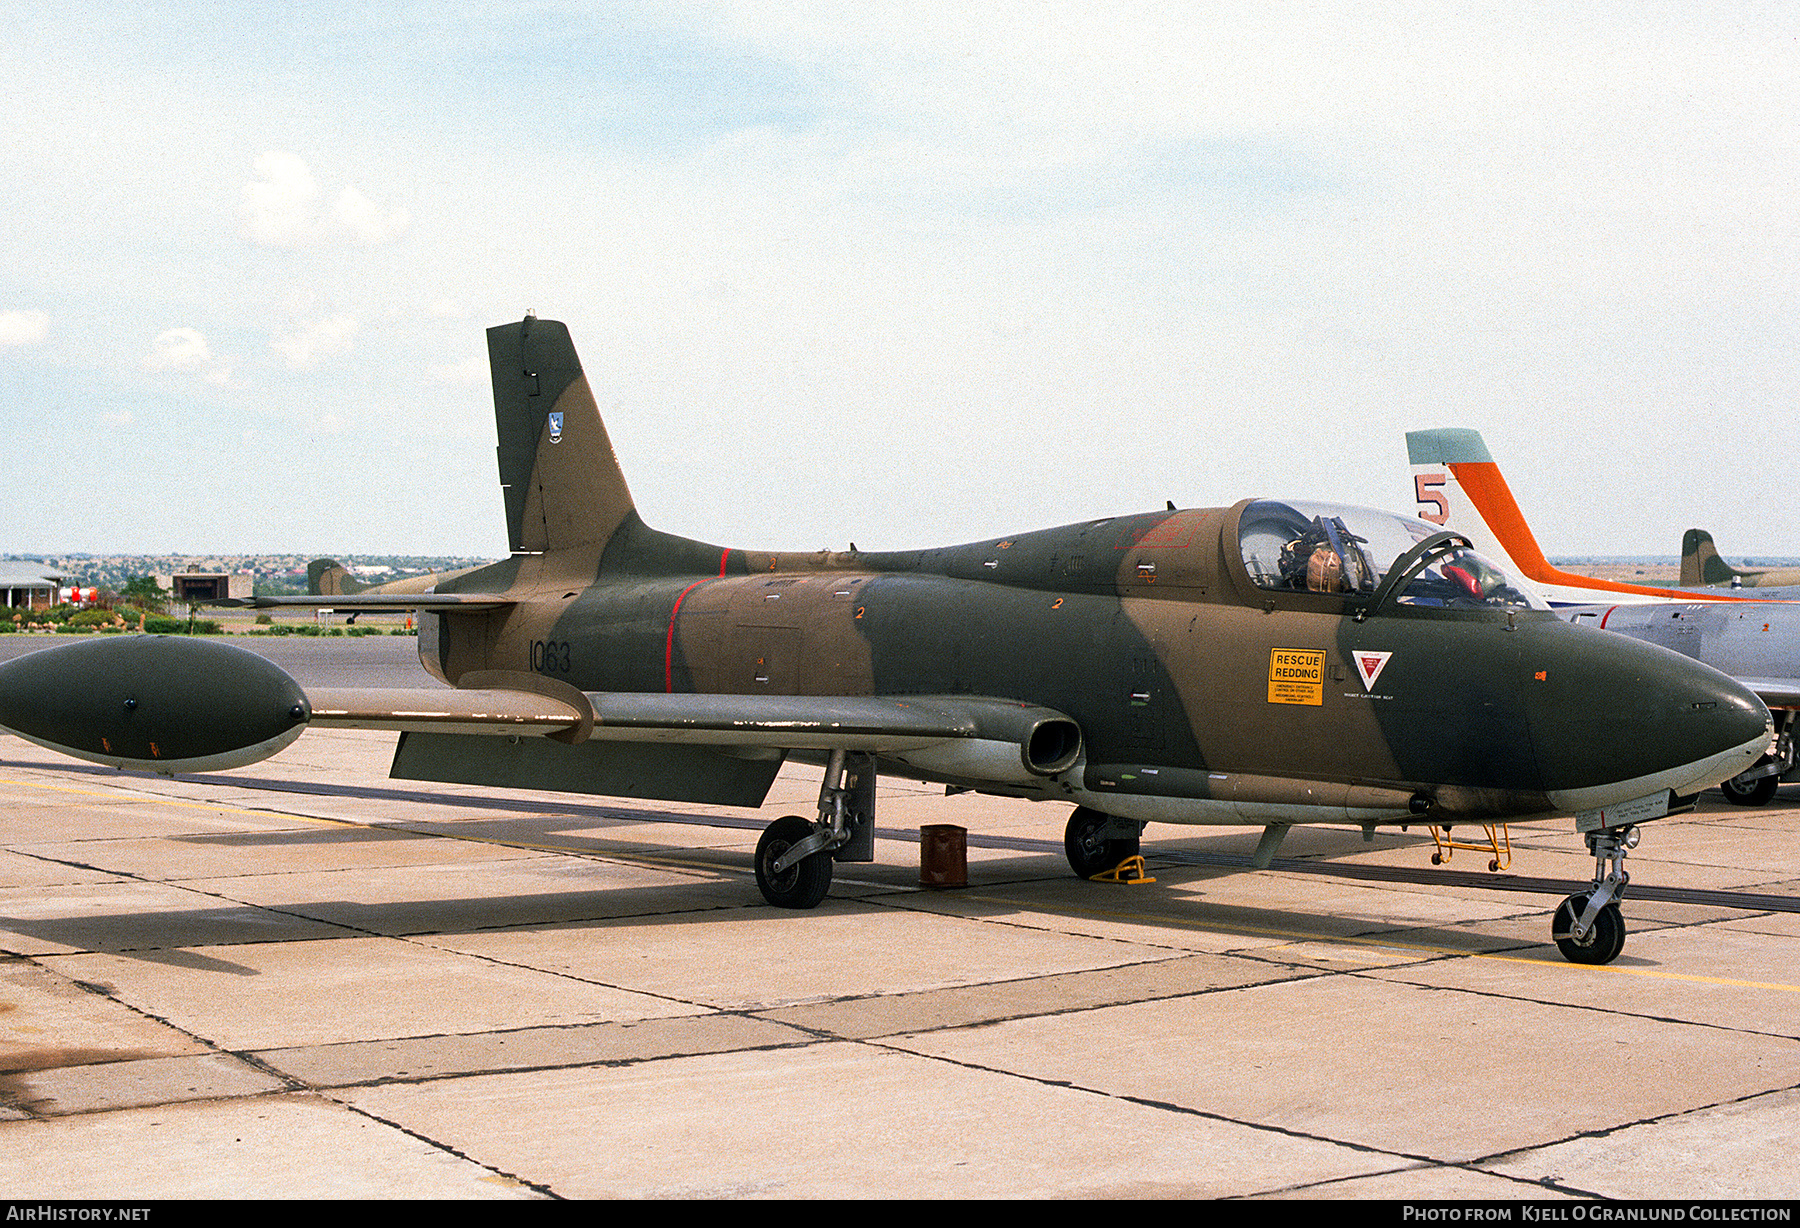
1700, 561
328, 578
562, 483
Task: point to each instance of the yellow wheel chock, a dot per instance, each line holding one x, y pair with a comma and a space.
1498, 843
1131, 870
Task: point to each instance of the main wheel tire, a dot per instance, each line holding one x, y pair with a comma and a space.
1088, 849
801, 885
1604, 941
1757, 792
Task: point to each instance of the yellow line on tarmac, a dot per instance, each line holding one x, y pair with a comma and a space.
1234, 927
155, 798
1033, 906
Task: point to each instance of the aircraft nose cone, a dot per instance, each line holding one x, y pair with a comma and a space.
1614, 718
162, 702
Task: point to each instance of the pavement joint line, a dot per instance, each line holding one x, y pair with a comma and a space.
1600, 1132
503, 1072
1468, 1166
260, 811
209, 1046
1376, 974
677, 863
423, 940
1166, 1106
1387, 944
536, 1187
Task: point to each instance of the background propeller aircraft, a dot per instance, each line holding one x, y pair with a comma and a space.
1701, 567
1756, 640
1270, 663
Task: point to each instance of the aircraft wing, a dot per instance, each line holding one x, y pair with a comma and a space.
174, 704
468, 603
715, 749
517, 705
1775, 692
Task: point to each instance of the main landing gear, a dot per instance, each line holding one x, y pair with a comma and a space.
1096, 842
1757, 786
1588, 927
794, 856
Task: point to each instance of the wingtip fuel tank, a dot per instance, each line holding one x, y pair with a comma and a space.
153, 702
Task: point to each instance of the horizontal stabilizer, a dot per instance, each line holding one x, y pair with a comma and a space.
463, 603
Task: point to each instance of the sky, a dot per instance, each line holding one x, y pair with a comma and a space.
903, 274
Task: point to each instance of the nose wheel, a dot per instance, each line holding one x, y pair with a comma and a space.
1588, 927
1604, 939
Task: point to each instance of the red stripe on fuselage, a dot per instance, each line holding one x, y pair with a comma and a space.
669, 640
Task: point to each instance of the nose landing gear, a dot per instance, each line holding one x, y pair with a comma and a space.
1588, 927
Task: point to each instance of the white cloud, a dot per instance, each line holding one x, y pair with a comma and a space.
123, 417
185, 349
281, 208
23, 327
178, 349
365, 221
314, 342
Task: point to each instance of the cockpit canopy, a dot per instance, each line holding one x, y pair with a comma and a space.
1335, 548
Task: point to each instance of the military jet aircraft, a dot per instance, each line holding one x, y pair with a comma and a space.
1756, 640
1267, 663
329, 578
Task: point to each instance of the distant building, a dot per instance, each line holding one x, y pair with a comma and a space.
187, 587
29, 586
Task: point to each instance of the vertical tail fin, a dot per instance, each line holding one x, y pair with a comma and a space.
328, 578
562, 483
1457, 485
1700, 561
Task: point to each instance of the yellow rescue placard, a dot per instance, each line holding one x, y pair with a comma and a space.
1297, 676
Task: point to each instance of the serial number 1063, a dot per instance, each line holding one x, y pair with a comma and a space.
550, 656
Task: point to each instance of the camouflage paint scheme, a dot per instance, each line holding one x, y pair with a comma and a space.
1145, 631
1701, 567
1132, 666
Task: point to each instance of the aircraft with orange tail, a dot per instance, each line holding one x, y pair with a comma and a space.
1756, 640
1457, 486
